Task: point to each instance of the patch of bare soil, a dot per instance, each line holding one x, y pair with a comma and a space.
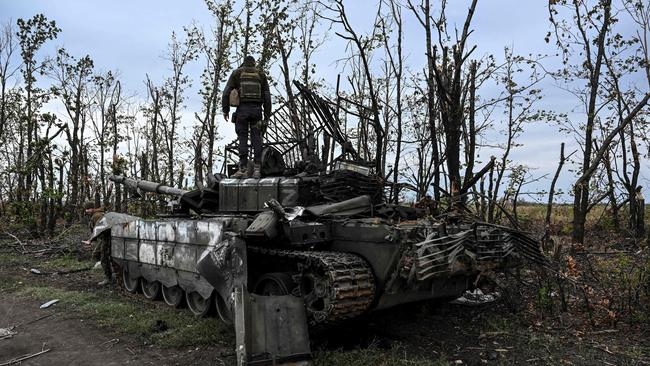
70, 341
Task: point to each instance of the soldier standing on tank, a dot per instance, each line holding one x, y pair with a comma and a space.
252, 88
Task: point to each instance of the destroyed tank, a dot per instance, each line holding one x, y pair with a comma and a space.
297, 250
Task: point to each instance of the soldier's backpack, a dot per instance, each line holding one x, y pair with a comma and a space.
234, 98
250, 87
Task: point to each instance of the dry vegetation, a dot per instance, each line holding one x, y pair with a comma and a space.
593, 310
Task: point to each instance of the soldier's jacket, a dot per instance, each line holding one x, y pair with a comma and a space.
233, 83
97, 215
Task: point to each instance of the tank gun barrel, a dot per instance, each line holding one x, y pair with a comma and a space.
147, 186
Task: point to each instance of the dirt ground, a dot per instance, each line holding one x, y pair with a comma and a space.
70, 341
79, 333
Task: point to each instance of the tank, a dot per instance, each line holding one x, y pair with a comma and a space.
302, 248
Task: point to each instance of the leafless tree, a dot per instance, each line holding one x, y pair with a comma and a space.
213, 47
72, 82
396, 62
583, 31
179, 54
362, 46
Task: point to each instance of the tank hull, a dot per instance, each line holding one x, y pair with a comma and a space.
388, 261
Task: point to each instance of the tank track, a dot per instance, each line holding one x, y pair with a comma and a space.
348, 289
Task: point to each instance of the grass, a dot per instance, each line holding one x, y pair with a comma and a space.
8, 259
497, 325
373, 356
183, 329
562, 215
139, 320
65, 263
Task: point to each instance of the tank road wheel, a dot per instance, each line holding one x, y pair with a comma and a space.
198, 305
173, 296
315, 291
222, 309
150, 289
131, 284
274, 284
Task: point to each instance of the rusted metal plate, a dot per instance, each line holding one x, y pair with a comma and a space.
185, 257
248, 195
131, 249
169, 244
166, 231
267, 189
186, 231
131, 229
165, 254
147, 252
228, 194
278, 330
117, 248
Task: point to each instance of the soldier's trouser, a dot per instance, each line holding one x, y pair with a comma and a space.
105, 247
248, 121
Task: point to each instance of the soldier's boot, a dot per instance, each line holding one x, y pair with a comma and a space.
257, 171
241, 173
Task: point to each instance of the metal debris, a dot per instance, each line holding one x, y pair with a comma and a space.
476, 298
23, 358
49, 303
7, 333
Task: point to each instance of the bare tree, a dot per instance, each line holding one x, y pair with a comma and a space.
213, 48
8, 69
520, 99
72, 81
107, 102
584, 31
153, 113
363, 46
449, 86
424, 16
396, 62
179, 54
32, 34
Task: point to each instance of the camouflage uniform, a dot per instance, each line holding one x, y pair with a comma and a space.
102, 249
249, 113
104, 243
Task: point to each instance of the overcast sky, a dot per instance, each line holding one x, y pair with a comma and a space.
130, 36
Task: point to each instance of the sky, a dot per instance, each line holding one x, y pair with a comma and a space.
130, 36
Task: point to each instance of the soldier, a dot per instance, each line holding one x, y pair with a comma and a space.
102, 250
252, 88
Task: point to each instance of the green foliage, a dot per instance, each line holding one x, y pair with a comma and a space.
32, 34
21, 213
